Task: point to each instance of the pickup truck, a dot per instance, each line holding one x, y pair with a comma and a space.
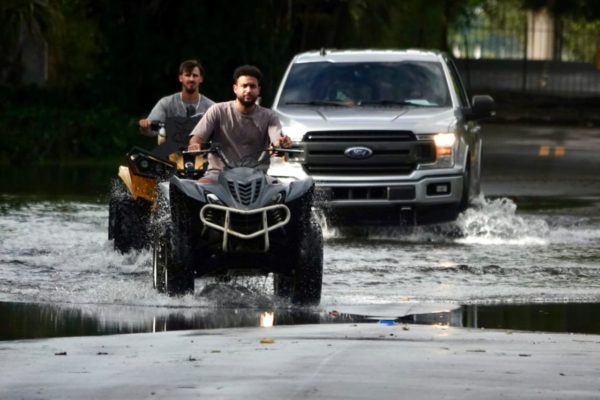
389, 137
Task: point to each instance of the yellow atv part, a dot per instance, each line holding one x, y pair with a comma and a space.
145, 187
177, 158
139, 186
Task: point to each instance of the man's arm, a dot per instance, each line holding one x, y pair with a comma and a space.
204, 128
277, 137
158, 113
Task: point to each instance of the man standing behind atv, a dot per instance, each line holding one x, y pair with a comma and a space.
187, 103
242, 128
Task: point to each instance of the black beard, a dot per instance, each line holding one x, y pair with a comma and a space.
247, 103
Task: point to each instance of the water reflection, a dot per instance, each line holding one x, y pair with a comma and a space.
30, 321
567, 317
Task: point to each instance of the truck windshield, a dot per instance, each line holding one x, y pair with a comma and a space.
403, 83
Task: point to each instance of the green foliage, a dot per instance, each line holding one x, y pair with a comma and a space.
20, 19
53, 132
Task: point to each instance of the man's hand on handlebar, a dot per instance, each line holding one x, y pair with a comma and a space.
193, 147
195, 143
144, 123
285, 141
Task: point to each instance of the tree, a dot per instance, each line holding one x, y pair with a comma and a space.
19, 20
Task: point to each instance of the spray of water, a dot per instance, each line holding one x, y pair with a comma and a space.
487, 221
496, 222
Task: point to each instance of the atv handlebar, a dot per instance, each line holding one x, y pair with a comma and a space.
156, 125
215, 148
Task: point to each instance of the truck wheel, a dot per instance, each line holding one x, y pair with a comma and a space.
307, 279
127, 223
466, 191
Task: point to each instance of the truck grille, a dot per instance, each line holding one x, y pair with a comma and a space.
391, 152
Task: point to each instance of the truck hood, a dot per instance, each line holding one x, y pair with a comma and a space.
298, 120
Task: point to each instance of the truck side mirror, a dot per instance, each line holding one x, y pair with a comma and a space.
483, 106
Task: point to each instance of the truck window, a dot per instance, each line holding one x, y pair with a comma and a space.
367, 83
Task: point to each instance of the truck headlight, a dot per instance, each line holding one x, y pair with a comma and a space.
445, 145
444, 149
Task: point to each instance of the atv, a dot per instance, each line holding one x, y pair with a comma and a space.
133, 195
245, 223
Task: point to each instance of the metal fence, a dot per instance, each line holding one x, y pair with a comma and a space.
562, 61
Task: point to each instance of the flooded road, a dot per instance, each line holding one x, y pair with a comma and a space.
535, 243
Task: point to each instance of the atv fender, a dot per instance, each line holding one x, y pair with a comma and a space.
190, 188
138, 186
299, 188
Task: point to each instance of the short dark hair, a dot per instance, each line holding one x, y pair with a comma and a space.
247, 70
189, 65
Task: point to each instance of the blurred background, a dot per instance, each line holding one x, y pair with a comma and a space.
76, 75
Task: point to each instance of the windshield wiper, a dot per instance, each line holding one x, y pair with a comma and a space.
392, 103
319, 103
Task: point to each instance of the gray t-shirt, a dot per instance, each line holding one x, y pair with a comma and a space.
174, 106
240, 135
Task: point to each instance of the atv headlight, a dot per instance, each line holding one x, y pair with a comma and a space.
287, 179
278, 198
213, 199
143, 163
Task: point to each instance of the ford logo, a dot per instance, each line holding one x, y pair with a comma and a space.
358, 152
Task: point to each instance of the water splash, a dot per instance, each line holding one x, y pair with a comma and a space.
493, 222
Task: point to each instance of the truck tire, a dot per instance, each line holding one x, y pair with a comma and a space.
465, 200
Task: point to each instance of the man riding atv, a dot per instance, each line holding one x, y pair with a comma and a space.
134, 193
241, 127
189, 102
235, 220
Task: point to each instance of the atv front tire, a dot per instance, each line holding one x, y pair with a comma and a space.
169, 274
303, 285
159, 264
308, 271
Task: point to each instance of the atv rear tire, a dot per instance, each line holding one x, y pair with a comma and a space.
127, 223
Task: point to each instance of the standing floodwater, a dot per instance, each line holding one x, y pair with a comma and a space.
534, 242
59, 252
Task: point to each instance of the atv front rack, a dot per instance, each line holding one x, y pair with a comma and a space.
263, 227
